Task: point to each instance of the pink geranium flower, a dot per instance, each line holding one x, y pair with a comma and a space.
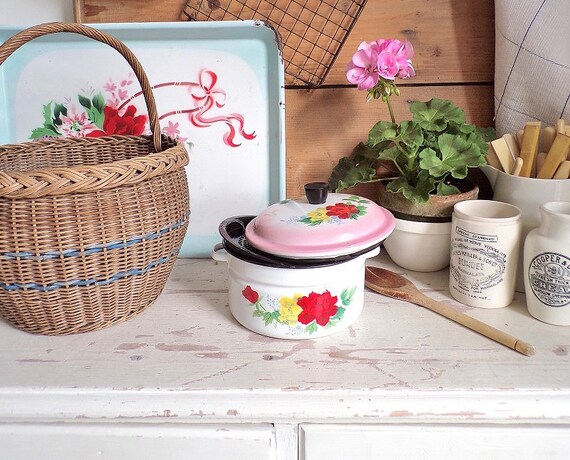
376, 65
362, 69
388, 66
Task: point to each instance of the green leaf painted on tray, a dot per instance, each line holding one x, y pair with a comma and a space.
58, 111
38, 133
99, 102
84, 101
96, 117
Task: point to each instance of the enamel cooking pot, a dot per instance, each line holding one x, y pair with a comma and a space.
296, 270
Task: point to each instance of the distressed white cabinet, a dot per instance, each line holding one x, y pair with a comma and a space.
142, 441
185, 380
435, 441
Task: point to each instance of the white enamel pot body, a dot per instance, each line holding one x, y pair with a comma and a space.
296, 303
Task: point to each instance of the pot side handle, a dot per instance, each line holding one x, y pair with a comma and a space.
218, 253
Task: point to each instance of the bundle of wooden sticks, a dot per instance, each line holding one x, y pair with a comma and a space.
534, 151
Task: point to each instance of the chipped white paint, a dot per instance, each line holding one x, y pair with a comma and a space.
186, 362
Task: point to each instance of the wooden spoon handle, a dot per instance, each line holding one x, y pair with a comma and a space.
476, 325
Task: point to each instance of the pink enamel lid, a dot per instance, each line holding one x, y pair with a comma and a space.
331, 225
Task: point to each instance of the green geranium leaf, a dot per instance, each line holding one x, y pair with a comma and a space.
435, 114
457, 154
392, 154
346, 174
447, 189
488, 134
418, 193
382, 131
425, 185
357, 168
411, 134
431, 162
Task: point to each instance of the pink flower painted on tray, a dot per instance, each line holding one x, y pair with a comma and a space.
76, 125
172, 130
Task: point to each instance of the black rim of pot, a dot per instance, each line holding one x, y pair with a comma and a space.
235, 243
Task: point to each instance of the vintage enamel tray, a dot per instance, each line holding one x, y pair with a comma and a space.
218, 88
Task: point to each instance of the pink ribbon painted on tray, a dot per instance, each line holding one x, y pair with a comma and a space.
205, 96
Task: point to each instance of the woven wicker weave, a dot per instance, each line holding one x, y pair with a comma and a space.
89, 227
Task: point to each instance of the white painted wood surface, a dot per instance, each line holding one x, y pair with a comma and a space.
185, 360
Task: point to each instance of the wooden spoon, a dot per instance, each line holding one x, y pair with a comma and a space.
393, 285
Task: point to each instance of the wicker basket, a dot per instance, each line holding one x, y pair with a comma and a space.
89, 227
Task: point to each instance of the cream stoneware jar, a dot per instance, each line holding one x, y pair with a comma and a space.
547, 265
296, 271
485, 242
527, 194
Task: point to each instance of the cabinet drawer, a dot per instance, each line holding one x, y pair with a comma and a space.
31, 441
417, 442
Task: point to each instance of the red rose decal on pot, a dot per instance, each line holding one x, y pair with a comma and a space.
251, 295
342, 210
352, 207
317, 307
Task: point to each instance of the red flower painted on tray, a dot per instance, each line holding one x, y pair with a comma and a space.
126, 124
317, 307
342, 210
251, 295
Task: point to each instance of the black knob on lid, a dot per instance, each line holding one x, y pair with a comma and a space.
316, 192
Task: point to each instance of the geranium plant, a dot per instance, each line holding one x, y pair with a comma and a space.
426, 155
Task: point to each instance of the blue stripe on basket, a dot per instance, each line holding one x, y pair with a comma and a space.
94, 249
92, 281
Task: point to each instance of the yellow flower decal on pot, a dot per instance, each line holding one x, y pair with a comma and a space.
289, 310
317, 216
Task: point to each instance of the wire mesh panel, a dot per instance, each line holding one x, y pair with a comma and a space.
312, 31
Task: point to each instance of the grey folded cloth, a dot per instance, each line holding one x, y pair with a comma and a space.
532, 63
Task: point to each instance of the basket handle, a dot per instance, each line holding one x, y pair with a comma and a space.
23, 37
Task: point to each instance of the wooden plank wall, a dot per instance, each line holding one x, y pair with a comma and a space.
454, 59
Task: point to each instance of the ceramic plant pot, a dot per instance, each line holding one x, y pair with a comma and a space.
437, 209
420, 246
422, 237
296, 271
